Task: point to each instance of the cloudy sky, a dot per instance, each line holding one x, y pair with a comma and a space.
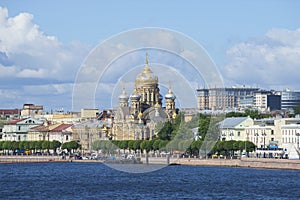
44, 43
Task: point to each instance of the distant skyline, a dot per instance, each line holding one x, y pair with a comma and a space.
43, 44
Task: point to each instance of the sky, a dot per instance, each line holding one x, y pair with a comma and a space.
44, 43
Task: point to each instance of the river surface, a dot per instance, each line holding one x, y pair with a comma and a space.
97, 181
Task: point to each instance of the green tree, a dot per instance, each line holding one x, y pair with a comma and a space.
123, 145
27, 145
38, 145
46, 145
137, 145
155, 145
297, 110
203, 126
131, 145
166, 132
146, 145
54, 145
7, 145
22, 145
195, 146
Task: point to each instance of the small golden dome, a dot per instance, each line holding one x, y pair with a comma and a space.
146, 76
124, 96
140, 115
174, 115
157, 105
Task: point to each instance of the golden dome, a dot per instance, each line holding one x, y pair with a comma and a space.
174, 115
157, 105
124, 96
135, 96
140, 115
170, 94
146, 76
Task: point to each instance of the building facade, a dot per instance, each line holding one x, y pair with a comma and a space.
137, 114
223, 98
289, 99
17, 130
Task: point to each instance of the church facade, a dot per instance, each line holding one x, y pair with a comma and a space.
138, 114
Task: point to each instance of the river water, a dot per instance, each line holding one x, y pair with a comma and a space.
97, 181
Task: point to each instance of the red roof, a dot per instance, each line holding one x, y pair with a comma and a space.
16, 121
40, 128
61, 127
9, 111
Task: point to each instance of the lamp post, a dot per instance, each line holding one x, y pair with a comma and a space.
256, 137
247, 137
231, 134
264, 136
298, 134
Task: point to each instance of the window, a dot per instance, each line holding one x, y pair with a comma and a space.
1, 137
239, 134
272, 132
272, 139
19, 137
19, 128
67, 137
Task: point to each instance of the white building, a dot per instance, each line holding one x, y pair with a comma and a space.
17, 130
290, 140
234, 128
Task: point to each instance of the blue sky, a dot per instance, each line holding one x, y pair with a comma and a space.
251, 42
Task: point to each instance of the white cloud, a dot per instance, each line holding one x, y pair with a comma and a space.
33, 63
35, 54
271, 61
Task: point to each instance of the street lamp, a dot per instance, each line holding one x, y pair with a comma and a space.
298, 134
256, 136
231, 134
264, 135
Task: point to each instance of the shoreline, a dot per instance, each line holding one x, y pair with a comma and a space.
260, 163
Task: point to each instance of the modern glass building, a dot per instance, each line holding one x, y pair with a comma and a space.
290, 99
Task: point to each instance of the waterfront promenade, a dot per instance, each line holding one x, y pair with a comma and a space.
30, 159
244, 162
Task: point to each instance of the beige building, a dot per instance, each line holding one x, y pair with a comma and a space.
137, 120
88, 132
223, 98
30, 110
63, 117
89, 113
17, 130
234, 128
50, 132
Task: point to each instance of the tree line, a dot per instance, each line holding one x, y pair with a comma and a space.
35, 146
188, 147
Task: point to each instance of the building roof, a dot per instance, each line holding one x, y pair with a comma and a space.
232, 122
9, 111
40, 128
61, 127
16, 121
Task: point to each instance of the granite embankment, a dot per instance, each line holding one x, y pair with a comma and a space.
244, 162
30, 159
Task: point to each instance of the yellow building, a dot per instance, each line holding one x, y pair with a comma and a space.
137, 120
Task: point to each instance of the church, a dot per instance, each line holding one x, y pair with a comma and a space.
138, 114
